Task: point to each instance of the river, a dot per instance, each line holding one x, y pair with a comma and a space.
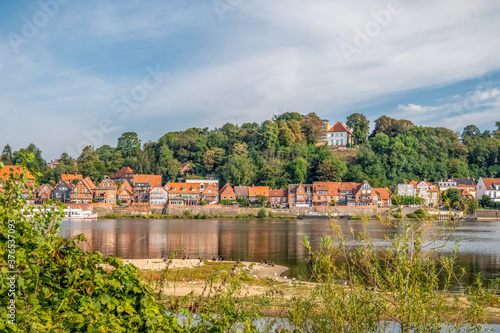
276, 240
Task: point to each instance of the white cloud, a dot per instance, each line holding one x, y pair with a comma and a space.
264, 55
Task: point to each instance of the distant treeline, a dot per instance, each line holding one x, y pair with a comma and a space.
283, 151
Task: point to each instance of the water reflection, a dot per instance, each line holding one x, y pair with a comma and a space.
280, 240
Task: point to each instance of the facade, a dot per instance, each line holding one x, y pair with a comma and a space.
16, 170
123, 175
106, 192
142, 185
339, 136
300, 195
158, 195
42, 194
227, 193
204, 183
489, 187
423, 189
183, 194
83, 192
210, 194
365, 196
347, 193
126, 193
466, 186
254, 191
278, 198
325, 192
62, 191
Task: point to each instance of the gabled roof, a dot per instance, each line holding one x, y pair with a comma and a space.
106, 180
211, 188
153, 180
123, 172
225, 188
320, 144
490, 183
241, 191
88, 183
383, 193
339, 127
70, 185
16, 170
125, 187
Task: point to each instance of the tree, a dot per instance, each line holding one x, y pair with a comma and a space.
129, 144
359, 125
470, 134
261, 200
238, 170
496, 133
390, 126
286, 136
268, 135
298, 170
312, 128
7, 155
327, 171
452, 197
287, 116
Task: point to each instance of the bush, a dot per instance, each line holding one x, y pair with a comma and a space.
418, 214
271, 214
262, 214
61, 288
203, 202
243, 202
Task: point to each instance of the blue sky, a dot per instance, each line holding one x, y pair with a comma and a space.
80, 72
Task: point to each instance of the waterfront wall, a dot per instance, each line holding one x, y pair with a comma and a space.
233, 211
488, 214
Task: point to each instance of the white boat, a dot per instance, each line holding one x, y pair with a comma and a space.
78, 213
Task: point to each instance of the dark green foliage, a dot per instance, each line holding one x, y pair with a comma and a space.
243, 202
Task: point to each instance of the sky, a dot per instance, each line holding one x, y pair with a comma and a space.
74, 73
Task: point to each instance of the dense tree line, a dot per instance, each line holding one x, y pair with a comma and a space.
283, 151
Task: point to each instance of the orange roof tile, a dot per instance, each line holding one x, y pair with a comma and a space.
383, 193
339, 127
184, 188
490, 183
254, 191
152, 179
320, 144
70, 177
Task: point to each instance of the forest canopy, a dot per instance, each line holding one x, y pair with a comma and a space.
283, 151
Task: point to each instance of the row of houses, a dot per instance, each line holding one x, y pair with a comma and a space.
125, 188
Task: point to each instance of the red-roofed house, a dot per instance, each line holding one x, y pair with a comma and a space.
339, 136
43, 193
122, 175
183, 194
422, 188
15, 170
143, 184
227, 193
278, 198
384, 197
83, 192
186, 169
254, 191
210, 195
300, 195
325, 192
489, 187
126, 193
105, 193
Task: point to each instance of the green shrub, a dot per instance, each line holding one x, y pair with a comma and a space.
262, 214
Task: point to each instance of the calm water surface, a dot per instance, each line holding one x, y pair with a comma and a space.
277, 240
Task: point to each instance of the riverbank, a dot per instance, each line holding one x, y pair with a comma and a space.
196, 217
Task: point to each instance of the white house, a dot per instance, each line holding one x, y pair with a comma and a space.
339, 136
489, 187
